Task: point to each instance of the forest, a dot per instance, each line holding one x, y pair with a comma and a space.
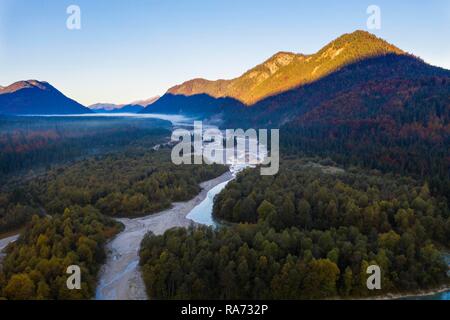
49, 164
35, 265
65, 211
310, 232
31, 147
125, 184
403, 128
66, 216
31, 143
347, 196
131, 183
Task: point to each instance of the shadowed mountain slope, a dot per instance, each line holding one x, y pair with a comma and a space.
37, 98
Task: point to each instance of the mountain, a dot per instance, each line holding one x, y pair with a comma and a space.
286, 70
105, 107
358, 90
390, 113
347, 79
133, 107
199, 105
359, 100
129, 108
36, 97
145, 102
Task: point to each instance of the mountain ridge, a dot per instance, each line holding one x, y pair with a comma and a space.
24, 84
199, 105
37, 98
132, 107
112, 106
286, 70
287, 106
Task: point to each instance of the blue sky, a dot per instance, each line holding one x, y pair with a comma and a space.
129, 50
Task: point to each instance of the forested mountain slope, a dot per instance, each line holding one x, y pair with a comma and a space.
286, 70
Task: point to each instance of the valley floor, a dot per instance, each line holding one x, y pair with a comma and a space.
120, 277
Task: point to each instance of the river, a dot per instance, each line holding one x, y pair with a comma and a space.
202, 213
120, 277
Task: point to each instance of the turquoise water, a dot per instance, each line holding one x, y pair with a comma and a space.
439, 296
202, 213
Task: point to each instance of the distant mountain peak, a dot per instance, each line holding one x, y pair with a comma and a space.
37, 97
105, 106
363, 43
287, 70
145, 102
111, 107
359, 34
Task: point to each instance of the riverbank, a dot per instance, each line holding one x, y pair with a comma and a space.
11, 233
432, 294
120, 277
5, 242
417, 295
